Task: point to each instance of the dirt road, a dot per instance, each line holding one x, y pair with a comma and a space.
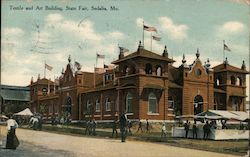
38, 143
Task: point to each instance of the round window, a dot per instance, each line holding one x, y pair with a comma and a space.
197, 72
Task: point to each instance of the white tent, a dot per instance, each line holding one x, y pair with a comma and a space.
25, 112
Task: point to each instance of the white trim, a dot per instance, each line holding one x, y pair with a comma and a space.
153, 114
97, 115
107, 115
129, 114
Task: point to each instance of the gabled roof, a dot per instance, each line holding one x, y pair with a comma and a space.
226, 67
15, 93
42, 81
144, 53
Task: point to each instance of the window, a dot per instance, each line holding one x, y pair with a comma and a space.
133, 71
148, 69
186, 74
197, 72
159, 71
235, 104
88, 106
152, 103
129, 99
79, 81
108, 105
233, 81
170, 102
97, 106
238, 81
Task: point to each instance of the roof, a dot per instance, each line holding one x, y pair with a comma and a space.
42, 81
237, 115
16, 93
144, 53
226, 67
25, 112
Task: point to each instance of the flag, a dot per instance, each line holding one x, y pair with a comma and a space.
226, 48
150, 29
48, 67
156, 38
100, 56
123, 49
78, 65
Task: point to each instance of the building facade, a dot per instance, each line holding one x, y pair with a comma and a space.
146, 85
13, 99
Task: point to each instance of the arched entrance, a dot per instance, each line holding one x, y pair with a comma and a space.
198, 104
68, 105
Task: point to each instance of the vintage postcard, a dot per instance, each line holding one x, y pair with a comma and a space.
114, 78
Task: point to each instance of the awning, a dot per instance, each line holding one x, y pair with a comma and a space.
237, 95
217, 90
153, 86
25, 112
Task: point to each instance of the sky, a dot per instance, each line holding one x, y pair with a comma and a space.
37, 31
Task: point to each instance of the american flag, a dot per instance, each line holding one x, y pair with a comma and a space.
226, 48
156, 38
150, 29
100, 56
48, 67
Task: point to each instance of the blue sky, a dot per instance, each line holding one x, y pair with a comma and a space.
183, 26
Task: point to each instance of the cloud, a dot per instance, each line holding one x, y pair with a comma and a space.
116, 35
230, 28
174, 31
139, 22
54, 18
14, 31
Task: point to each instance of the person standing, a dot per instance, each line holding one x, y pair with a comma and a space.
147, 125
114, 128
163, 130
12, 140
129, 127
87, 132
140, 126
206, 129
186, 127
195, 130
93, 127
123, 126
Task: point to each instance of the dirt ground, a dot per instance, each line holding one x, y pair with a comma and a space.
39, 143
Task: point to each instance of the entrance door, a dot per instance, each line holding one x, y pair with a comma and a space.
198, 104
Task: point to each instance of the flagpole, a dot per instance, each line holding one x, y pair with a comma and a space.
94, 75
44, 69
143, 33
223, 51
151, 41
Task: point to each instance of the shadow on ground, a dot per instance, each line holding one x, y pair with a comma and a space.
29, 150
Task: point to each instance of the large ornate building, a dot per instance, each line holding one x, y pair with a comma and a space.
145, 85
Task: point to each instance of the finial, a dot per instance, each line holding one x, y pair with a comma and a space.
226, 61
208, 63
140, 46
69, 59
38, 77
62, 71
183, 59
197, 53
243, 66
165, 52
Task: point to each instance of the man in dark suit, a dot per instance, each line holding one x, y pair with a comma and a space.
123, 126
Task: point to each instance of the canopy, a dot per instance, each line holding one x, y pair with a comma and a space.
25, 112
222, 114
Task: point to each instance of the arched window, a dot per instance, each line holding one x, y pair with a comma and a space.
152, 103
107, 105
233, 81
159, 71
129, 99
238, 81
170, 102
197, 72
125, 70
132, 71
148, 69
88, 107
97, 105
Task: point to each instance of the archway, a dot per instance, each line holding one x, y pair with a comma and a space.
198, 104
68, 105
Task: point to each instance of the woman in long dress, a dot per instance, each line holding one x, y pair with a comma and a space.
12, 140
